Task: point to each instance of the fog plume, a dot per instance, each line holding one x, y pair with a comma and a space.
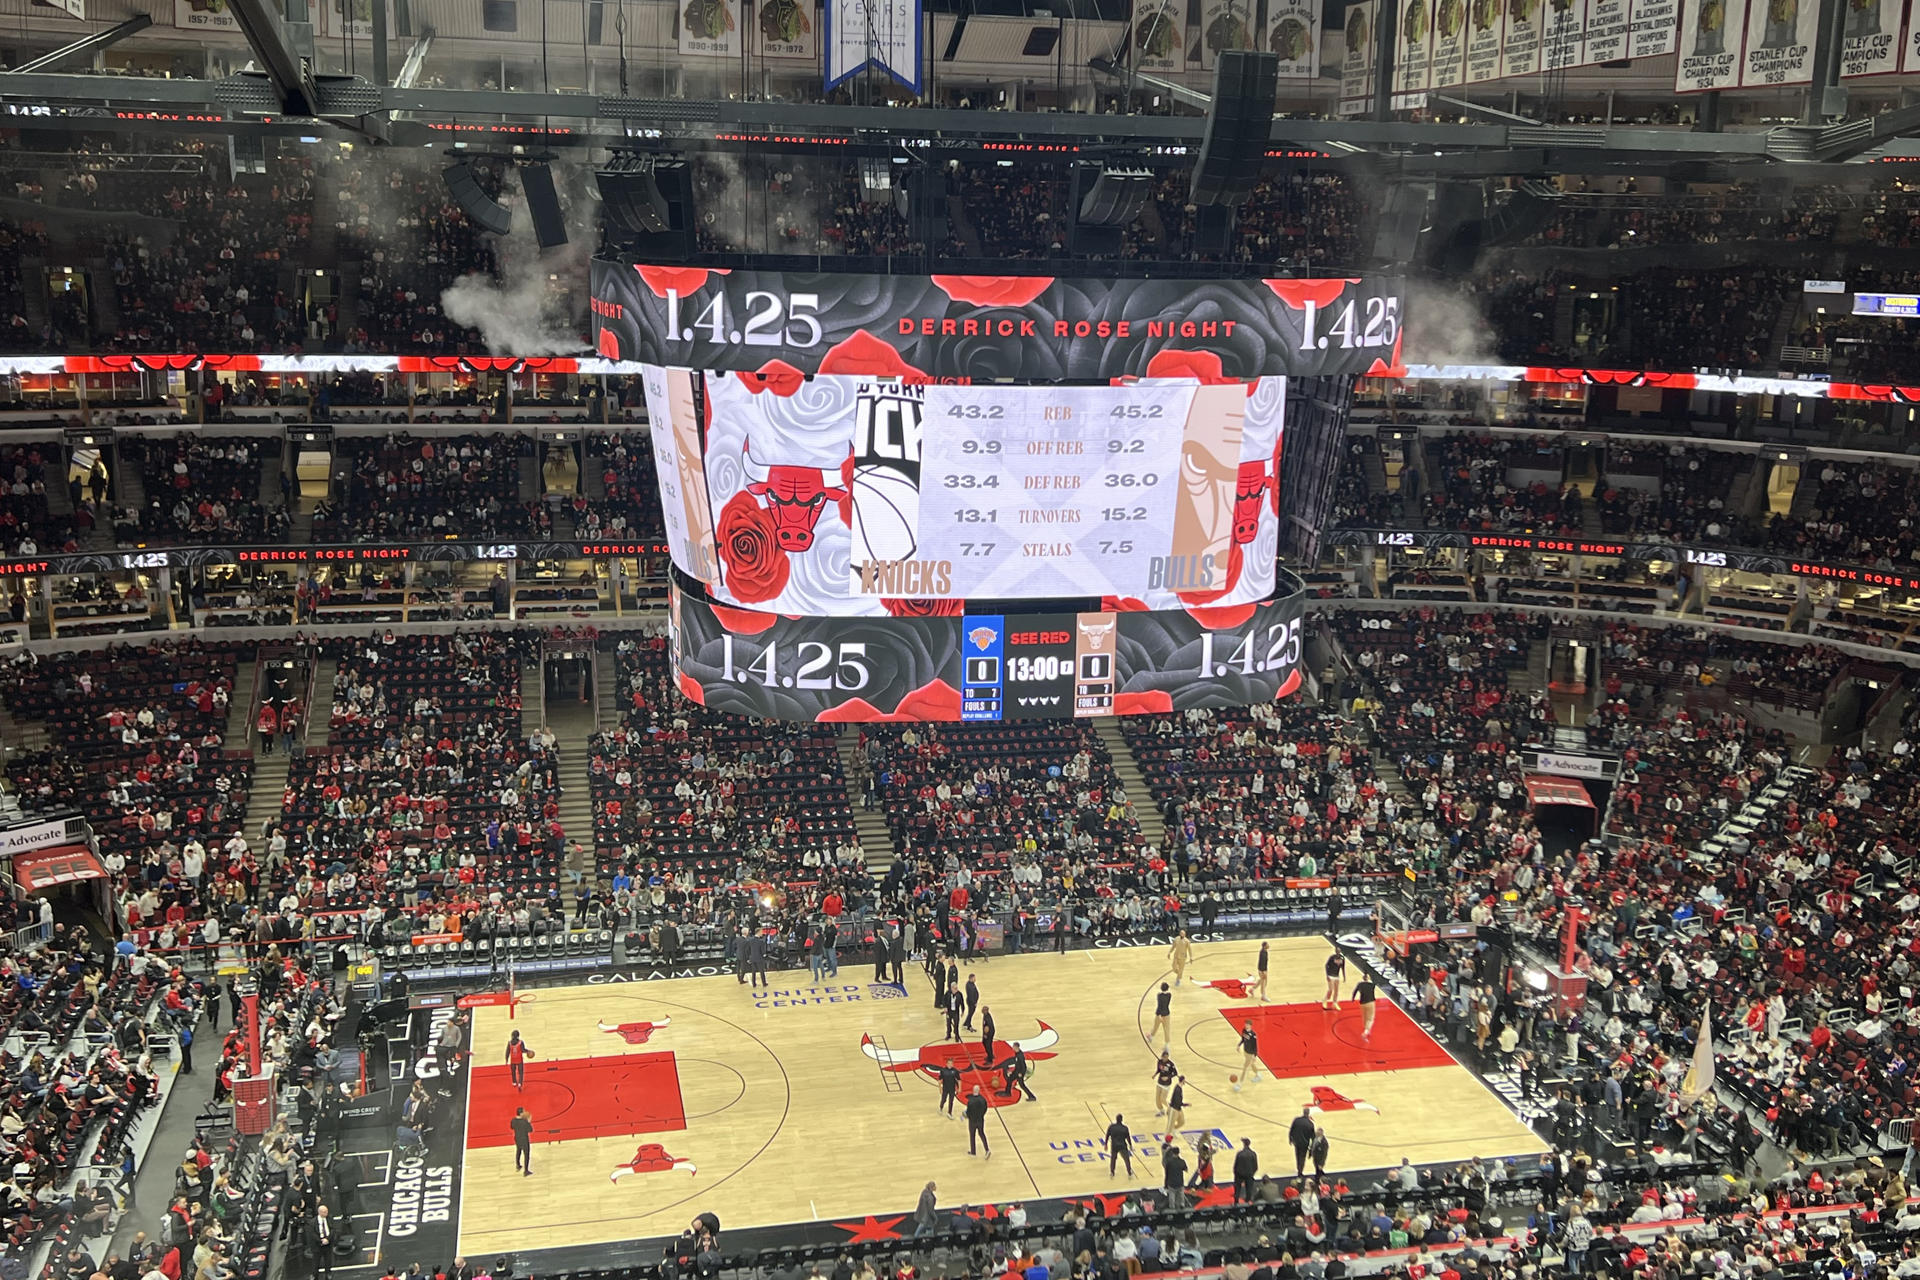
535, 306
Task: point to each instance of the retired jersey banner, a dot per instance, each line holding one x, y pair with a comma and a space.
709, 27
1293, 36
1710, 35
1871, 37
783, 29
204, 15
1520, 51
1564, 42
1486, 26
1356, 59
1449, 44
784, 325
1656, 26
1415, 57
1159, 35
1779, 43
882, 34
1225, 24
1910, 60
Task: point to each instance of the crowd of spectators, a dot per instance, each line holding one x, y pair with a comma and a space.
412, 240
401, 486
1689, 500
200, 489
1862, 512
630, 484
1471, 487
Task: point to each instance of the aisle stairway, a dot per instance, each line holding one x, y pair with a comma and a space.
572, 725
876, 841
533, 698
318, 723
240, 709
1134, 782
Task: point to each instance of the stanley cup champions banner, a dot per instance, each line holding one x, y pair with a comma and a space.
1711, 32
1779, 43
1871, 38
882, 34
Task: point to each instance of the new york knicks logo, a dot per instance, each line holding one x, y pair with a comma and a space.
637, 1032
1325, 1099
651, 1158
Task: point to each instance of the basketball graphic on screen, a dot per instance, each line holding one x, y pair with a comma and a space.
886, 508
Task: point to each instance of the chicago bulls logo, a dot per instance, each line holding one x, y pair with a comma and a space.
1250, 485
988, 1072
651, 1158
1325, 1099
636, 1032
1232, 988
795, 497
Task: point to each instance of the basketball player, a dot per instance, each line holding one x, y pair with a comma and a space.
1263, 973
1178, 955
1364, 992
1249, 1054
1177, 1107
1336, 970
522, 1126
1162, 1016
517, 1055
1164, 1074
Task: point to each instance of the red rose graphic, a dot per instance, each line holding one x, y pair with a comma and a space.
935, 700
756, 566
1122, 604
1172, 362
743, 622
690, 689
776, 376
1298, 293
1150, 702
1289, 686
867, 355
609, 344
901, 608
682, 280
994, 291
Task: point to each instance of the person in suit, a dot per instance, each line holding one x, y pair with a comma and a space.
986, 1034
973, 1000
956, 1008
757, 958
882, 951
897, 952
322, 1237
949, 1087
1246, 1167
1300, 1134
977, 1123
939, 974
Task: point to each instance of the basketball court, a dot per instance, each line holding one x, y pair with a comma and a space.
815, 1102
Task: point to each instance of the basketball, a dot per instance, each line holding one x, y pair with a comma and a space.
1233, 1079
886, 514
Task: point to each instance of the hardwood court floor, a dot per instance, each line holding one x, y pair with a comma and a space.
762, 1106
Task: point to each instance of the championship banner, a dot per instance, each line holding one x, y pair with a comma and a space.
1486, 27
1031, 328
709, 27
1564, 43
1655, 24
1293, 36
1225, 24
1356, 59
1780, 37
1871, 38
1415, 58
882, 34
1710, 35
1159, 36
350, 19
1449, 44
1520, 51
783, 29
1910, 60
204, 15
985, 667
1609, 22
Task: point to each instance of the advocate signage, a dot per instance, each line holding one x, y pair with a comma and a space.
978, 328
25, 837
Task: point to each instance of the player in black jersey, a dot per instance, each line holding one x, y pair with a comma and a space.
1249, 1055
1162, 1016
1164, 1074
1336, 970
1364, 992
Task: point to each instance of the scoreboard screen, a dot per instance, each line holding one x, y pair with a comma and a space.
838, 495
